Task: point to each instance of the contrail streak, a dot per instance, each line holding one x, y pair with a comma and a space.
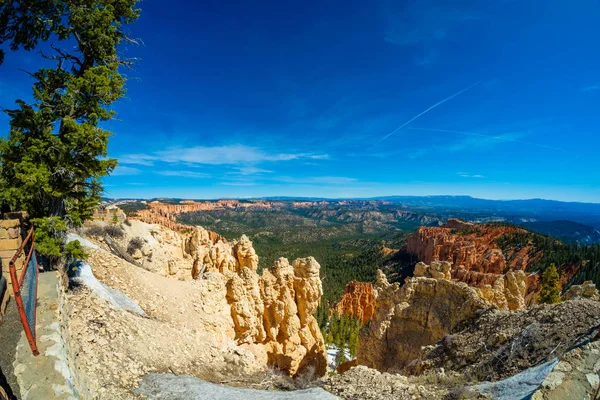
490, 137
426, 111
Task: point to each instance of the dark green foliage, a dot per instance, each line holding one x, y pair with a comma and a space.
130, 208
49, 235
74, 251
55, 154
135, 243
550, 282
553, 251
341, 355
343, 331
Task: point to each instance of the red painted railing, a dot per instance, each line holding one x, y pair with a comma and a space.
25, 289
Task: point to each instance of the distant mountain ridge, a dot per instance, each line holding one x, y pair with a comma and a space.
566, 230
572, 221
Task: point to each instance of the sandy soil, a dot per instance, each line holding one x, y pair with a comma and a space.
187, 329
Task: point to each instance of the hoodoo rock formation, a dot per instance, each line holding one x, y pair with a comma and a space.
470, 245
417, 314
587, 290
507, 291
358, 300
473, 253
272, 313
212, 253
291, 294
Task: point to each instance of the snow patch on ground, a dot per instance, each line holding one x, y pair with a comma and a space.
332, 352
118, 299
184, 387
71, 237
519, 386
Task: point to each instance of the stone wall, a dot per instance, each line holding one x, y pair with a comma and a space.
10, 241
51, 375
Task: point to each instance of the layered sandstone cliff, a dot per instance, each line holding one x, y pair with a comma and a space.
470, 245
272, 312
358, 300
507, 291
476, 258
417, 314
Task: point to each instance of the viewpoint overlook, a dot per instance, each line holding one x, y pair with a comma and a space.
299, 200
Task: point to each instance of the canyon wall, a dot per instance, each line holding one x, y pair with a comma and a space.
470, 245
358, 300
417, 314
477, 259
273, 312
507, 291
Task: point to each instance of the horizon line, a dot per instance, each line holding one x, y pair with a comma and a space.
314, 198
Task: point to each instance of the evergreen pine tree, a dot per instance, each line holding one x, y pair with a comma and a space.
55, 154
341, 355
550, 283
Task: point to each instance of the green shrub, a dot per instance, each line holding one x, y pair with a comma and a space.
74, 251
49, 234
550, 282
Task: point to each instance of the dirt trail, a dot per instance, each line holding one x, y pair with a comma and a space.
10, 332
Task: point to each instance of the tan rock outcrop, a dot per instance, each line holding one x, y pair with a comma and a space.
245, 254
273, 311
212, 253
507, 291
291, 294
358, 300
437, 270
587, 290
247, 307
474, 252
270, 316
417, 314
575, 376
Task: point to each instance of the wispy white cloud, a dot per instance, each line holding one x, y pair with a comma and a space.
236, 154
185, 174
253, 171
137, 159
122, 170
467, 175
294, 180
322, 180
591, 88
239, 183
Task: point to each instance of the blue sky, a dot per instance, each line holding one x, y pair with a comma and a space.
246, 99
